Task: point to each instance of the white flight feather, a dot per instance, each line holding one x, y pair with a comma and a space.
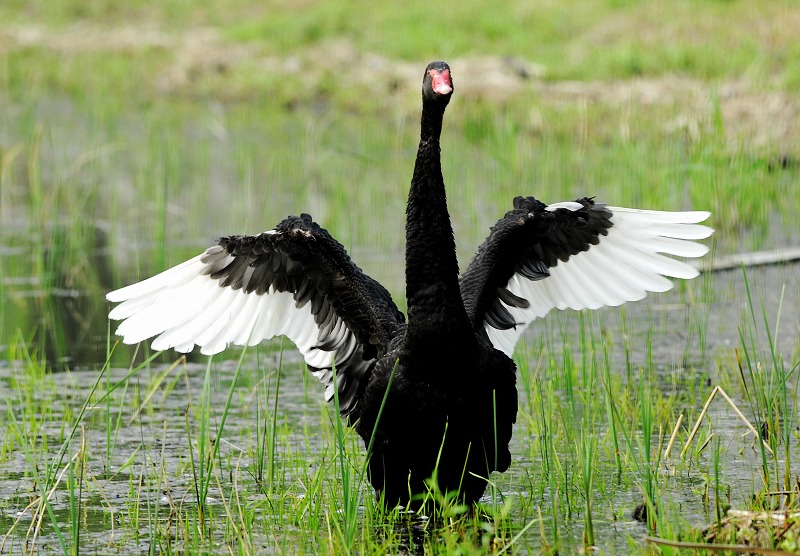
627, 264
175, 275
184, 307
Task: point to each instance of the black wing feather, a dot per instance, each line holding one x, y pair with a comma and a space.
339, 314
529, 240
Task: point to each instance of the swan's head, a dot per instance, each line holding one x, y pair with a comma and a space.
437, 84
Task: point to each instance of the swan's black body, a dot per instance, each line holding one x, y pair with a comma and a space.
452, 398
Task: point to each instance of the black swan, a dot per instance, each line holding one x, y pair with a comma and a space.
452, 396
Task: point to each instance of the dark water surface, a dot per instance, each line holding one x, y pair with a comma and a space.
691, 349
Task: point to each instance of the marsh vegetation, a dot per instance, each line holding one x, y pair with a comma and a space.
132, 135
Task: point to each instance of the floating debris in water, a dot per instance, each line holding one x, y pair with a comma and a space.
760, 529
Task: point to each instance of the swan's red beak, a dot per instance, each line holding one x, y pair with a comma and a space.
441, 82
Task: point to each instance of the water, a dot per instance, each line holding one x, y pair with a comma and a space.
97, 225
143, 463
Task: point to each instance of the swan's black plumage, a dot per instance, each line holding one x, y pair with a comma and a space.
452, 398
302, 258
528, 240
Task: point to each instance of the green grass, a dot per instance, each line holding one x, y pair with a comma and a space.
135, 133
175, 452
596, 40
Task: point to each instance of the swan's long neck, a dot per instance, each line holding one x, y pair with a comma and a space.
435, 310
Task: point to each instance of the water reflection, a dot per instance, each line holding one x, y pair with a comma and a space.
54, 283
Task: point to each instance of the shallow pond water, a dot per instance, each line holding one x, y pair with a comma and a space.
140, 462
119, 197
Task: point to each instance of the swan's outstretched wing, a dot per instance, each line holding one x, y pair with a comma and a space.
577, 255
295, 280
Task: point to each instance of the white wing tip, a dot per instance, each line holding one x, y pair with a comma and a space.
116, 296
569, 205
664, 216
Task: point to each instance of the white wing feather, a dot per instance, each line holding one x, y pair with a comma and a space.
627, 263
184, 307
